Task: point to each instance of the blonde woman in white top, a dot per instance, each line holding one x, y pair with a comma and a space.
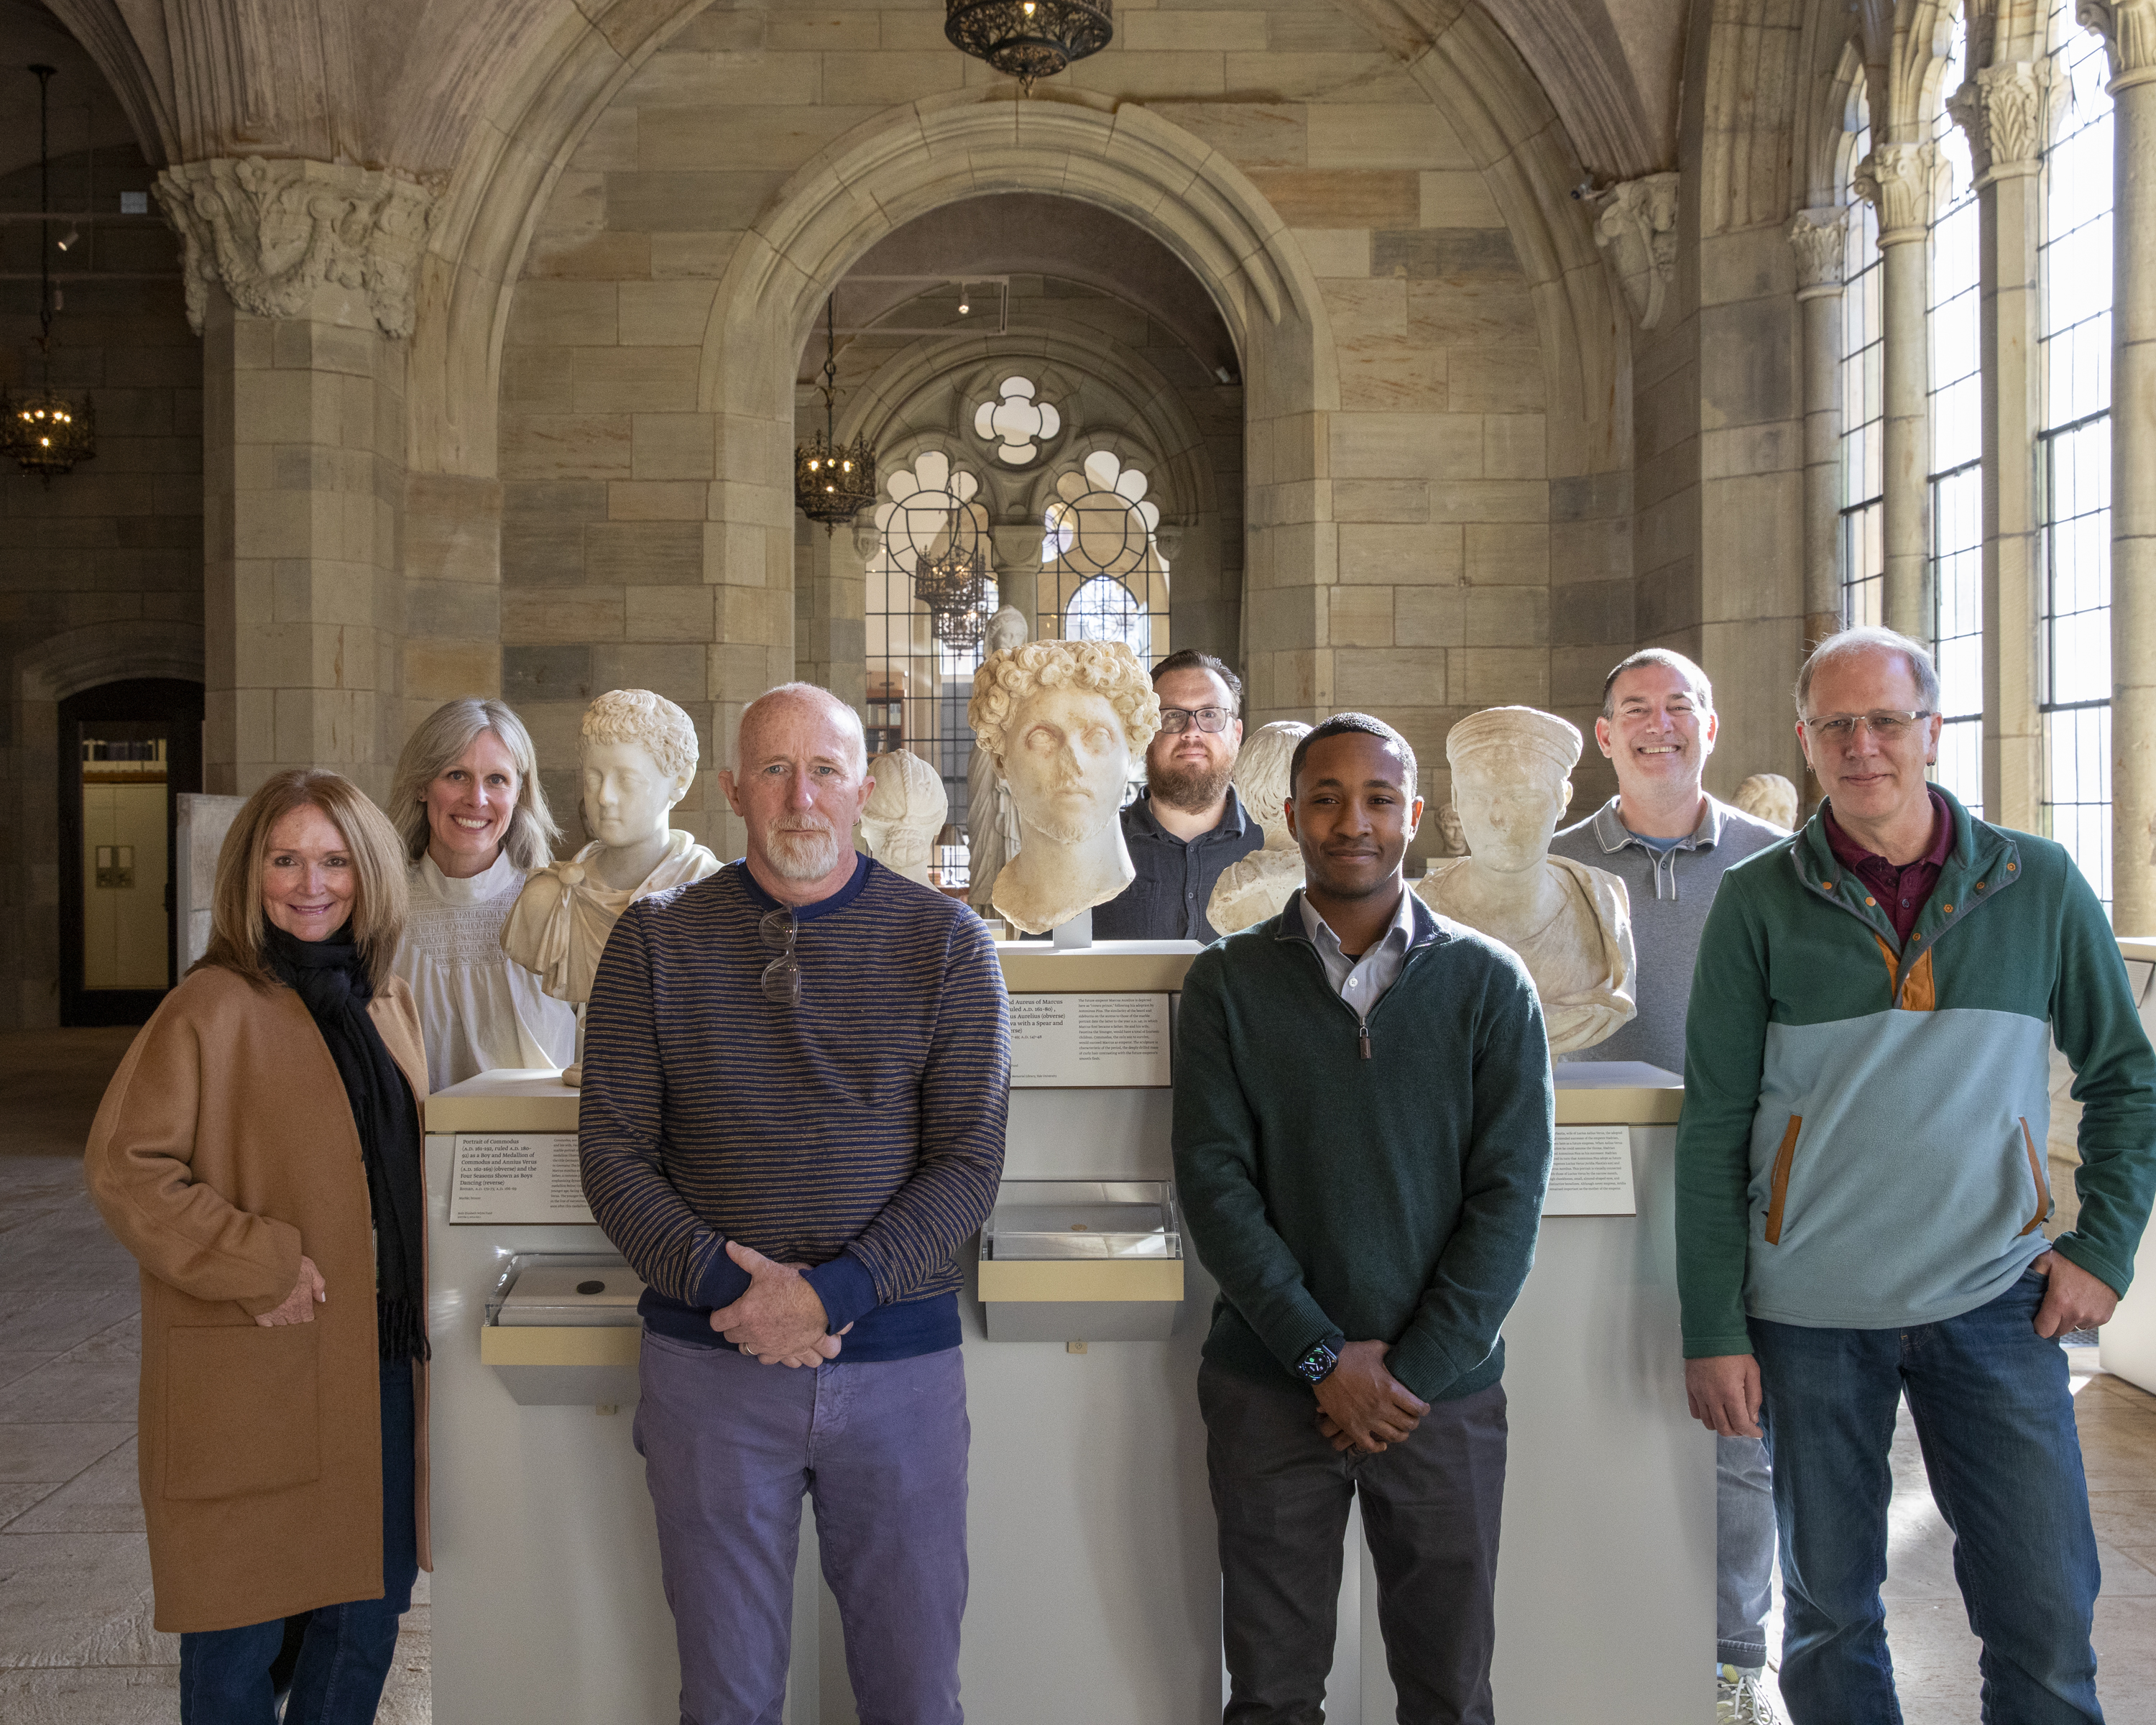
468, 805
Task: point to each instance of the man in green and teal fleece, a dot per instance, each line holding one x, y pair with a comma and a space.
1861, 1191
1363, 1123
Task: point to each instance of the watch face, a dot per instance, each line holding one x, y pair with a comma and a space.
1316, 1365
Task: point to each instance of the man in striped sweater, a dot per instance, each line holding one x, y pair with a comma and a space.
796, 1073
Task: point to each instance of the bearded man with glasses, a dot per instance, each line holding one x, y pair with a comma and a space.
1862, 1193
796, 1075
1188, 825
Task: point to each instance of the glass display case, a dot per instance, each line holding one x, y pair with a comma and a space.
1079, 1261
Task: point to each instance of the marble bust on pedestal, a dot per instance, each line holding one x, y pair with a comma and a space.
1571, 924
1256, 887
1064, 721
904, 813
638, 755
991, 832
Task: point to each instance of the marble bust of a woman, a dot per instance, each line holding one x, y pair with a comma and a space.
1571, 924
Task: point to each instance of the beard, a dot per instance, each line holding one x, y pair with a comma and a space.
1194, 788
801, 851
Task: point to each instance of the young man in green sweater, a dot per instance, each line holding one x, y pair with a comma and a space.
1861, 1195
1363, 1125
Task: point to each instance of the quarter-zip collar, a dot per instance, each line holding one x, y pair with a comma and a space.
1984, 862
1613, 836
1429, 933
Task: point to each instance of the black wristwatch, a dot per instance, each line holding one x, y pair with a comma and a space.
1316, 1366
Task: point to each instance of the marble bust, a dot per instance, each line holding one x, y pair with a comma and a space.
1571, 924
992, 834
638, 757
1768, 797
905, 813
1256, 887
1064, 721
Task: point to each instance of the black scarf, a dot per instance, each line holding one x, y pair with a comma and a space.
331, 978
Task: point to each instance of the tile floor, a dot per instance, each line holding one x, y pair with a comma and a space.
76, 1645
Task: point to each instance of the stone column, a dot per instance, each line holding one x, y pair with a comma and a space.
1897, 180
2129, 33
300, 280
2001, 109
1819, 239
830, 609
1014, 551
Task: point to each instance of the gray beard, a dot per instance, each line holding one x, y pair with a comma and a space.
802, 854
1192, 789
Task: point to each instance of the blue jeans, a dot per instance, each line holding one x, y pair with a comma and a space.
1744, 1551
1996, 1422
345, 1651
879, 1447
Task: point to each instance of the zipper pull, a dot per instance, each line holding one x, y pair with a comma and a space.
1363, 1036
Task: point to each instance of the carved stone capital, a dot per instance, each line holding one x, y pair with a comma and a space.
1636, 228
2002, 111
2128, 30
1897, 180
1819, 237
274, 232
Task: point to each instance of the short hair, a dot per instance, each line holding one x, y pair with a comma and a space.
650, 721
1871, 640
906, 788
441, 738
1703, 689
237, 916
1190, 659
1354, 725
815, 693
1108, 668
1264, 769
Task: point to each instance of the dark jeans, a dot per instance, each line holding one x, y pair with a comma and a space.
1430, 1510
1993, 1414
731, 1447
345, 1651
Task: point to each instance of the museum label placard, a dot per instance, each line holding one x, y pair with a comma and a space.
1592, 1174
516, 1177
1089, 1041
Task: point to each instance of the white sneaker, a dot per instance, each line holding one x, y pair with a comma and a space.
1740, 1698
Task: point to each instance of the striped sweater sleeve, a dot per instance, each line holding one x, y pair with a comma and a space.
965, 1100
619, 1135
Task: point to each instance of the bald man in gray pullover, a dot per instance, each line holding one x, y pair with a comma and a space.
1670, 842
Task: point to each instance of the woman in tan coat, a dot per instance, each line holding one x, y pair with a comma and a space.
259, 1152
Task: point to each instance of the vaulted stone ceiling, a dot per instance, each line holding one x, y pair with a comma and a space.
402, 83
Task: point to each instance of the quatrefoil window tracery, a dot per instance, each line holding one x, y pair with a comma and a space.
1017, 423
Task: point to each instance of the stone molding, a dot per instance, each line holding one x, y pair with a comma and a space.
1897, 180
274, 232
2002, 110
2128, 30
1821, 240
1636, 228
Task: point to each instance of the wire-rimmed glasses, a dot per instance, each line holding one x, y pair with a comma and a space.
782, 977
1888, 726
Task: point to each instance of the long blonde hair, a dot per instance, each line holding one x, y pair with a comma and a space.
236, 914
443, 736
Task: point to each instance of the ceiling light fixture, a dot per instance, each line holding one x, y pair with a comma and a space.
44, 431
833, 482
1029, 38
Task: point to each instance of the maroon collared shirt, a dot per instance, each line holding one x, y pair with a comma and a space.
1902, 893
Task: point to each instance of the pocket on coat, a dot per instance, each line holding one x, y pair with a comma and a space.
242, 1410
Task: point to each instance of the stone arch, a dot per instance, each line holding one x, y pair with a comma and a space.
79, 659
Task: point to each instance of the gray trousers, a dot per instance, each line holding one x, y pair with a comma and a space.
1430, 1510
731, 1447
1744, 1551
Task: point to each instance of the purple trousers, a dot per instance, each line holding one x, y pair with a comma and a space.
730, 1447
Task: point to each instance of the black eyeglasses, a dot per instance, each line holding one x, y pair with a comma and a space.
782, 977
1176, 720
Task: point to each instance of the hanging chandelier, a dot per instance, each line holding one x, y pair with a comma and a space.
44, 430
1029, 39
833, 482
955, 587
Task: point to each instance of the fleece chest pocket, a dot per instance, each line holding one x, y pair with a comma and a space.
242, 1410
1778, 1189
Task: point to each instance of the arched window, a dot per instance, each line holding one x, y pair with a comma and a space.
1098, 539
1957, 453
1863, 421
2074, 453
1104, 609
